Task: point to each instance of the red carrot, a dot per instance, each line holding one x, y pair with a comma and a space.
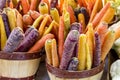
33, 5
25, 6
61, 37
72, 15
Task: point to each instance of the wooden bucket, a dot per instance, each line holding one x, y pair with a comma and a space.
19, 65
58, 74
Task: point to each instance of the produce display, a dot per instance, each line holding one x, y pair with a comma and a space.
77, 34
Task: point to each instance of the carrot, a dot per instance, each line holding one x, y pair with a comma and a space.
47, 2
80, 2
43, 8
10, 3
84, 3
94, 11
61, 38
55, 14
99, 16
34, 14
48, 44
27, 19
25, 6
55, 59
72, 15
33, 5
50, 27
117, 33
37, 21
88, 57
97, 51
108, 16
81, 19
40, 43
42, 26
90, 39
116, 28
102, 30
107, 43
61, 6
19, 19
2, 4
82, 51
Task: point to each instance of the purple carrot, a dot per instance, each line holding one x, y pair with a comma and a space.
6, 24
28, 41
54, 3
15, 38
29, 30
97, 51
76, 26
2, 4
73, 65
69, 46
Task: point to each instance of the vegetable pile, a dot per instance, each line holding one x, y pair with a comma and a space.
76, 33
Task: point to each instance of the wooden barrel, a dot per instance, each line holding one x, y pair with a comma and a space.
19, 65
58, 74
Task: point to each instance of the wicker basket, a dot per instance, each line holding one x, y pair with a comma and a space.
58, 74
19, 65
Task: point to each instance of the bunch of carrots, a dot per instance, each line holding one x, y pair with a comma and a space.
84, 36
72, 31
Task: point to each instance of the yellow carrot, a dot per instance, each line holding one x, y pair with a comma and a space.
43, 8
88, 57
55, 59
50, 27
2, 34
48, 45
11, 17
107, 43
90, 39
42, 26
55, 15
82, 52
37, 21
81, 19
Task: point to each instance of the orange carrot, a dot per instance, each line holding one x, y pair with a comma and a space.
55, 59
99, 16
94, 11
109, 15
61, 37
27, 19
117, 33
84, 3
40, 43
25, 6
80, 2
107, 43
34, 14
42, 26
72, 15
33, 5
61, 6
102, 30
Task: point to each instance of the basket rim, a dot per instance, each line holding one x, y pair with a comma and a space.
74, 74
20, 55
25, 78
